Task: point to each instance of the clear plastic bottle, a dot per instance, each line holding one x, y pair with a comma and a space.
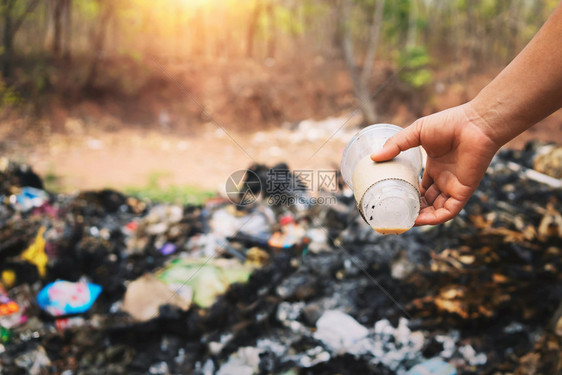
387, 193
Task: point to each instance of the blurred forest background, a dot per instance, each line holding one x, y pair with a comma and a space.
128, 92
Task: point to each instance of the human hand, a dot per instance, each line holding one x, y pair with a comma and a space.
459, 147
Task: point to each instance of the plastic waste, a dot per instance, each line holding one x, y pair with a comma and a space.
35, 253
256, 257
339, 330
394, 346
28, 198
168, 248
473, 358
33, 361
5, 335
69, 323
244, 362
291, 234
7, 306
65, 297
318, 240
145, 295
228, 221
8, 278
208, 279
14, 306
434, 366
387, 193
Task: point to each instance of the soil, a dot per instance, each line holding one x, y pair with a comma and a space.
248, 117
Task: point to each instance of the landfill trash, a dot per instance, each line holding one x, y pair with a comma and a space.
256, 257
401, 267
168, 248
34, 361
207, 278
5, 335
473, 358
15, 175
28, 198
479, 293
68, 323
145, 295
14, 306
394, 347
64, 297
339, 331
280, 188
244, 362
8, 278
387, 193
318, 240
35, 253
228, 221
434, 366
7, 306
290, 234
549, 161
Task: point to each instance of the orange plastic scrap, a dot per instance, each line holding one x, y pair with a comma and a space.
9, 308
35, 253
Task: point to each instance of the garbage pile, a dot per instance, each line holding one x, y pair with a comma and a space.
100, 282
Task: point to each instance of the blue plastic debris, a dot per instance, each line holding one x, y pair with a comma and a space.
65, 297
29, 198
434, 366
168, 248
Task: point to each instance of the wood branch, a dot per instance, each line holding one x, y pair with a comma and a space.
374, 37
30, 6
252, 28
360, 86
412, 25
347, 45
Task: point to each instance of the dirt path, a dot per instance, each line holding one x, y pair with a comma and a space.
132, 157
128, 158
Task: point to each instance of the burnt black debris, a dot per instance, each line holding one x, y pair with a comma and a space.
312, 290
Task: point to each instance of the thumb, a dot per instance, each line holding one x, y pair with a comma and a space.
402, 141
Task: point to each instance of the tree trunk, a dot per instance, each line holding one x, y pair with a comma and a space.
361, 79
272, 30
8, 38
252, 28
67, 19
12, 23
99, 41
48, 41
411, 39
57, 21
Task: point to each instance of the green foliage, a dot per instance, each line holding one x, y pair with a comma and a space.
8, 96
52, 182
171, 194
395, 19
415, 63
34, 78
88, 9
287, 22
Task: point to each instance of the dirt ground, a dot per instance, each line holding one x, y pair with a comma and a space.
93, 148
129, 157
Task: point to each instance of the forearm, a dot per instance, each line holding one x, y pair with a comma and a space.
528, 89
